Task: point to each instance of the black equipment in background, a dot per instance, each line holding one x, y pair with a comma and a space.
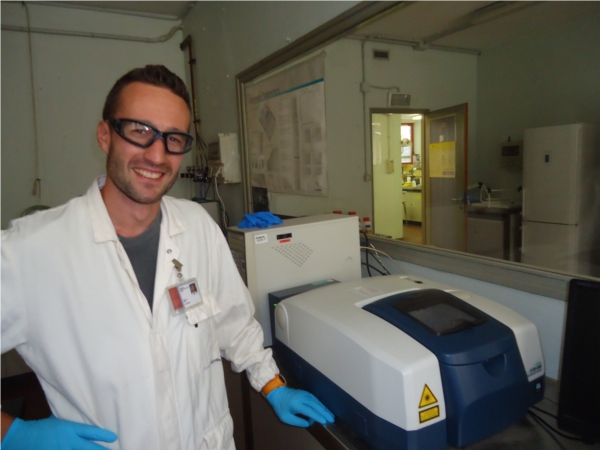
579, 401
260, 199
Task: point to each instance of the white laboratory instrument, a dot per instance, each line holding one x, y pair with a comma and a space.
224, 158
408, 363
298, 251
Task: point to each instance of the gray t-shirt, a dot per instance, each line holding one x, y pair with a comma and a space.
142, 251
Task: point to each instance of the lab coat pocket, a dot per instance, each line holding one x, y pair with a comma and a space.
220, 435
208, 308
201, 334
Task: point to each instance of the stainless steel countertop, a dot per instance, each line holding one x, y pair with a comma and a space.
495, 207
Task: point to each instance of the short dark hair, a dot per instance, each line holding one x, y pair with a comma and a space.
156, 75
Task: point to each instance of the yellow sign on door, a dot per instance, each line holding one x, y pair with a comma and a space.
427, 397
442, 159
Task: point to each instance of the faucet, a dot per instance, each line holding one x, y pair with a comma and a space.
484, 191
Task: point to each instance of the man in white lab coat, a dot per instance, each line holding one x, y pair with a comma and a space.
97, 298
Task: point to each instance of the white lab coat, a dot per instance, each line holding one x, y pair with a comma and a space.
73, 309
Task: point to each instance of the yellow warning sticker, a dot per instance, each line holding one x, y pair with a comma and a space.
429, 414
427, 397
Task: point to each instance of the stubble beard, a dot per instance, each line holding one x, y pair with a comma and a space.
116, 170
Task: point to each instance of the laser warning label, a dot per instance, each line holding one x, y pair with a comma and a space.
427, 398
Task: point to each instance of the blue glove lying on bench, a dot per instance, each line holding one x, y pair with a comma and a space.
263, 219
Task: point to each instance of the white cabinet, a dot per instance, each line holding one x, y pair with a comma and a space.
412, 203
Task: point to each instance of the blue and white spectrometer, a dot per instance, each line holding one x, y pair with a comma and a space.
409, 363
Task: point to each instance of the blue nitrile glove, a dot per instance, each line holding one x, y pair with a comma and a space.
288, 402
54, 434
261, 219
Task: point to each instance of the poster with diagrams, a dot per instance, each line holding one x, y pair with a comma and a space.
285, 117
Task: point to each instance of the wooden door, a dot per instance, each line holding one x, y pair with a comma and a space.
446, 177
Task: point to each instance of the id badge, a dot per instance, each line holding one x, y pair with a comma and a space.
183, 296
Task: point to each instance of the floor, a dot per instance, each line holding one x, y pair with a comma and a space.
412, 233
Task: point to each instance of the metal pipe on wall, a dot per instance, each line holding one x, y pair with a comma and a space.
37, 184
163, 38
366, 132
414, 44
200, 144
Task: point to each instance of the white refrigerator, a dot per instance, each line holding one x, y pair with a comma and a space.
561, 198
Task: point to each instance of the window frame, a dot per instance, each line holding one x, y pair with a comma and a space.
412, 142
514, 275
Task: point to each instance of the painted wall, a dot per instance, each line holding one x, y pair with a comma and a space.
508, 97
228, 38
517, 86
345, 141
387, 186
548, 78
418, 147
434, 79
72, 76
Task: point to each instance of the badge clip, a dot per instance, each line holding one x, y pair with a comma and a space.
178, 266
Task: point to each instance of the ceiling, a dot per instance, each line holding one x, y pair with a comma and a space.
475, 25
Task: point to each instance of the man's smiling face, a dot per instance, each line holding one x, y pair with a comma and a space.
144, 175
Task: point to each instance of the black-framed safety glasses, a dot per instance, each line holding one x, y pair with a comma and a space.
142, 134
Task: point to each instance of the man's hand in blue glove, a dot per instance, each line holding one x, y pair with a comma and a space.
288, 402
54, 434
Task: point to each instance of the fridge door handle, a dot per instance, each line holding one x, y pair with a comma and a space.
524, 203
522, 237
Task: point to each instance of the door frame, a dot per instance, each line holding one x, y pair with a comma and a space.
390, 110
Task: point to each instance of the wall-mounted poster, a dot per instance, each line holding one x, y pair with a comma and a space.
286, 130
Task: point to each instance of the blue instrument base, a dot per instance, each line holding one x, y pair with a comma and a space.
377, 432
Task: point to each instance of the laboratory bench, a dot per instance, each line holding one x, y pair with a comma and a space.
264, 431
413, 205
417, 188
494, 230
269, 433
